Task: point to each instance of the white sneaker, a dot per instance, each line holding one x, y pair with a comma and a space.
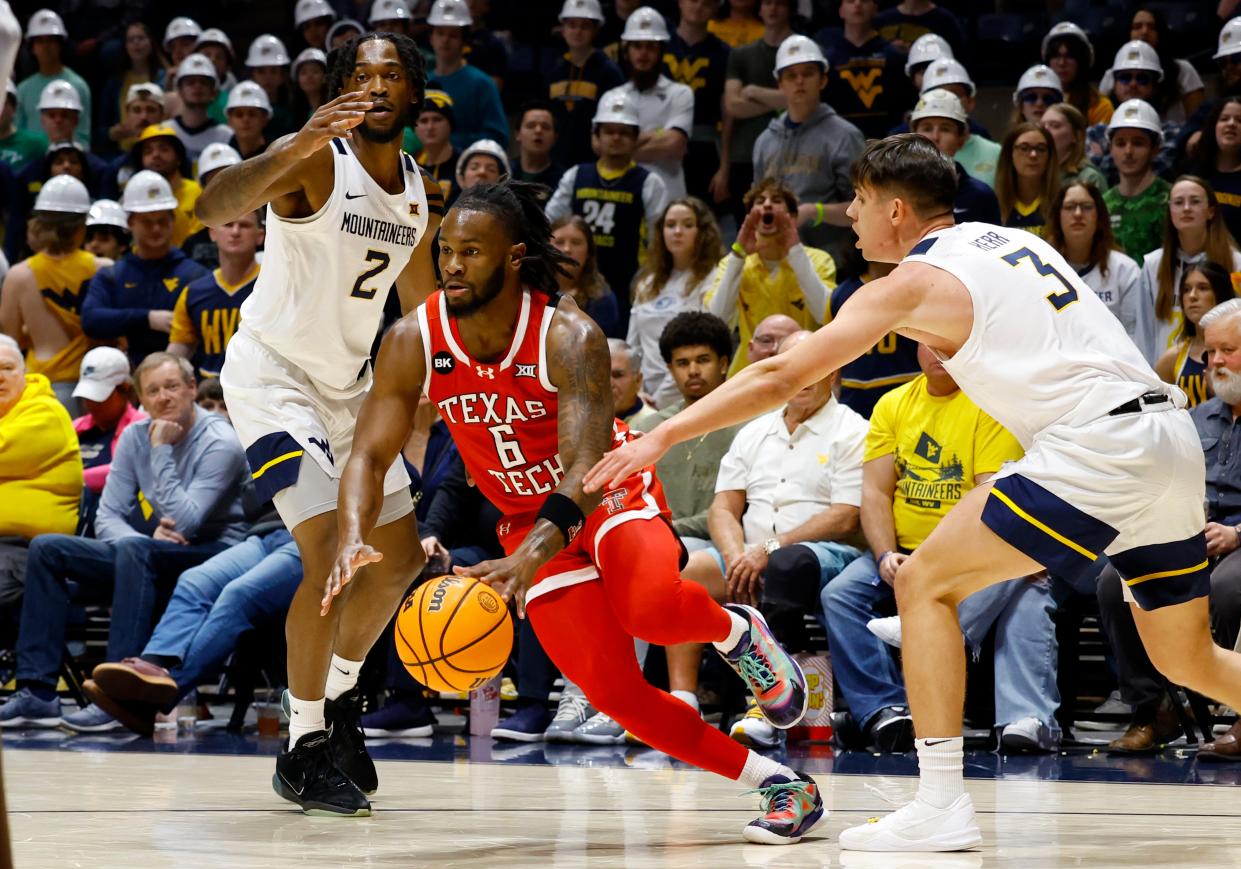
918, 827
753, 729
887, 629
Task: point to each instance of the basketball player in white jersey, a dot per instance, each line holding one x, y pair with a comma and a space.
1113, 464
347, 214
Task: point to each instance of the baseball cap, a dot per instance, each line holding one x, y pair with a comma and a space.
103, 370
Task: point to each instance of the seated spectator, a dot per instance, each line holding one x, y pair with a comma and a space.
698, 59
249, 111
17, 147
312, 19
210, 397
577, 80
107, 394
142, 65
107, 230
200, 247
905, 22
343, 31
180, 37
197, 86
979, 155
536, 139
1069, 53
172, 500
665, 108
1193, 232
144, 107
887, 365
46, 37
1027, 178
1067, 127
926, 49
160, 150
209, 308
438, 155
1137, 74
1181, 90
769, 271
785, 508
268, 63
42, 295
680, 267
484, 162
1218, 158
477, 112
1079, 227
617, 198
929, 445
134, 297
865, 81
1038, 89
627, 385
310, 88
940, 117
584, 283
809, 149
1138, 201
1202, 287
218, 48
740, 24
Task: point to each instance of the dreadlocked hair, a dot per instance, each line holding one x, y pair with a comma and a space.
342, 60
518, 205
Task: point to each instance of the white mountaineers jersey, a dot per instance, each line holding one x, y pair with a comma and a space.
1044, 350
319, 297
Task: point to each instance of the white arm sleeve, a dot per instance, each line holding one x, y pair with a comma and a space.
812, 287
562, 200
723, 300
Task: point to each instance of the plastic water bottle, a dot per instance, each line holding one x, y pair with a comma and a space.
485, 708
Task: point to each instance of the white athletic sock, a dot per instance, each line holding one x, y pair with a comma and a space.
342, 675
941, 764
305, 716
689, 698
758, 769
741, 627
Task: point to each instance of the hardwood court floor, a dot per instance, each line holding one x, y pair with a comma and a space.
140, 810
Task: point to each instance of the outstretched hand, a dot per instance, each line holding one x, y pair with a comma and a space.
350, 558
618, 464
332, 120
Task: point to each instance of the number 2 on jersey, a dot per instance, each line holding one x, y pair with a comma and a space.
1060, 299
600, 215
381, 261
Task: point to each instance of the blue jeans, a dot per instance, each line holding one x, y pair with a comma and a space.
127, 570
244, 586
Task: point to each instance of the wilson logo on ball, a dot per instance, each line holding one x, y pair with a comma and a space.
437, 596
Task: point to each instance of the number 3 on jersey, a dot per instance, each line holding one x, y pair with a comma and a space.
381, 261
1060, 299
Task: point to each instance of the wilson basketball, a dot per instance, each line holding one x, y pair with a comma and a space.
454, 633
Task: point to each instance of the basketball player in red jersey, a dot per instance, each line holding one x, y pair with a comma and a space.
521, 376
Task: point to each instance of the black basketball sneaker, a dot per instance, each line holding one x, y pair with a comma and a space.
308, 776
348, 742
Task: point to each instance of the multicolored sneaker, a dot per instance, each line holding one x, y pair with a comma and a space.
774, 678
791, 809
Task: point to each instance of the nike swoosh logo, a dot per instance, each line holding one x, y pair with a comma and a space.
338, 669
931, 742
354, 195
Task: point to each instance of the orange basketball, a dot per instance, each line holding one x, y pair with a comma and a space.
454, 633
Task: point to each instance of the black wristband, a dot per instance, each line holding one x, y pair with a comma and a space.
563, 512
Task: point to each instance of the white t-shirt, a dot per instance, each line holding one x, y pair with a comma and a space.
647, 322
1119, 289
668, 105
790, 478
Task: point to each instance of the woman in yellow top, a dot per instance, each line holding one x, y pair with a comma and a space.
1203, 286
42, 296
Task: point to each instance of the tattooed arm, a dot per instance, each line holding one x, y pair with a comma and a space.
579, 366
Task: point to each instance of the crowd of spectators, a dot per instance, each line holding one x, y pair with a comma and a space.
696, 157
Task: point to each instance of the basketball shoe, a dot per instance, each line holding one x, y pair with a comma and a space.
348, 743
791, 809
307, 775
918, 826
774, 678
753, 729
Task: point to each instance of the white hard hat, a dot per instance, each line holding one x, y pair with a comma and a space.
217, 155
107, 212
645, 25
63, 193
1038, 76
939, 104
181, 26
267, 50
248, 95
103, 369
1072, 31
214, 36
144, 90
197, 65
798, 49
343, 24
60, 94
946, 71
616, 109
308, 55
1229, 39
45, 22
491, 148
1136, 54
1136, 115
926, 48
589, 9
309, 10
445, 13
148, 191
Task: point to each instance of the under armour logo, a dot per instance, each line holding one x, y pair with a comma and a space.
503, 529
527, 370
489, 373
325, 446
614, 501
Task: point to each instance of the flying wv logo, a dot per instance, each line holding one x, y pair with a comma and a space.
325, 446
863, 84
66, 300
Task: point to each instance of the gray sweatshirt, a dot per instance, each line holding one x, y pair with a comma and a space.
197, 482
